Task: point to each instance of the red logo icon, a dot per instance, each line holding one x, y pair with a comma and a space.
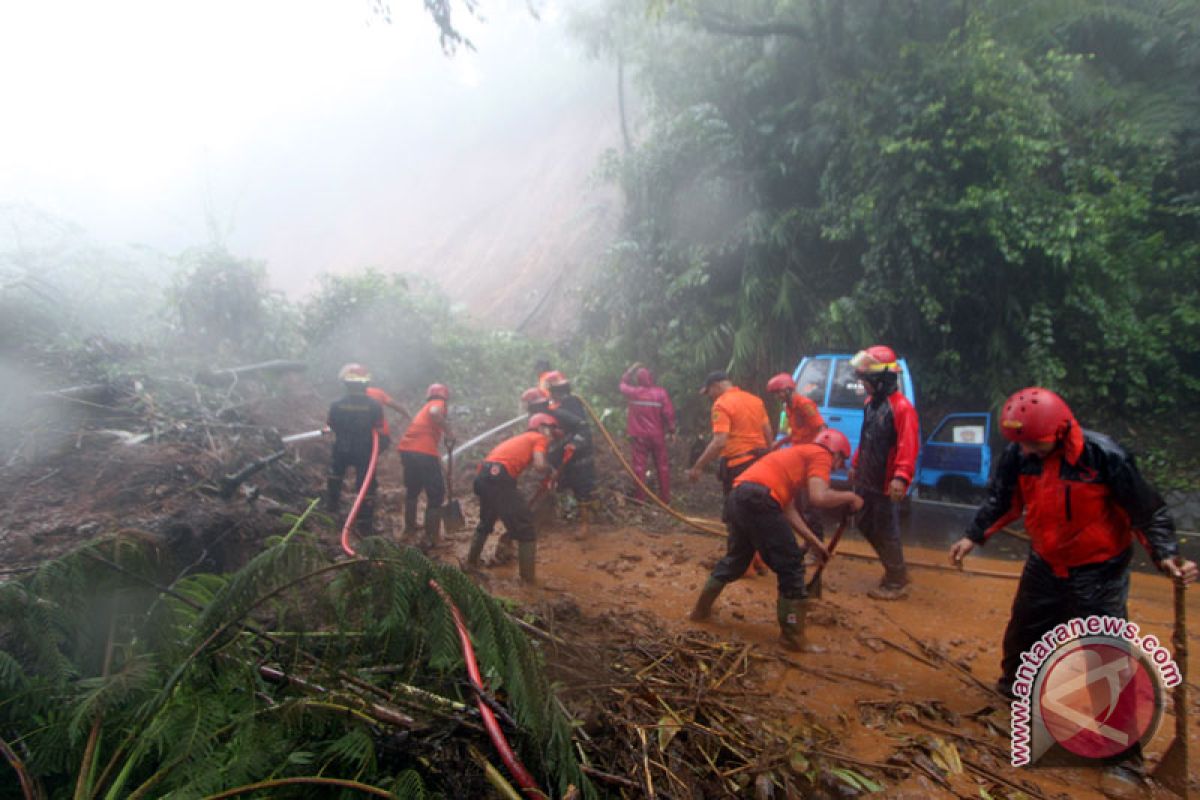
1098, 698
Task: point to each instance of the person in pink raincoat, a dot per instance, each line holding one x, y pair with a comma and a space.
651, 420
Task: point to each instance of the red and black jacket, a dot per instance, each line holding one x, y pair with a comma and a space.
888, 444
1077, 512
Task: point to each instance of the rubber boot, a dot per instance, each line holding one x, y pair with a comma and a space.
366, 516
433, 523
704, 603
526, 559
793, 616
504, 551
333, 494
410, 516
476, 549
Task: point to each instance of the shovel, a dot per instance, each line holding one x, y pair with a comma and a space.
1172, 770
814, 585
452, 516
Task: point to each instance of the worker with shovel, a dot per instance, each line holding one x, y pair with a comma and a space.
500, 499
420, 453
1083, 499
356, 421
761, 516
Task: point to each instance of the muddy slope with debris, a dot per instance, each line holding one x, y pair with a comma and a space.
898, 701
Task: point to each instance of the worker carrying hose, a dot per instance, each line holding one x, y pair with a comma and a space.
1083, 499
650, 420
499, 498
741, 432
355, 419
884, 464
760, 516
420, 453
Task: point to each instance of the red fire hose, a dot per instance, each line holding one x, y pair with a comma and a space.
358, 501
515, 767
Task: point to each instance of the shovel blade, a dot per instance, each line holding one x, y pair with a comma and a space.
454, 519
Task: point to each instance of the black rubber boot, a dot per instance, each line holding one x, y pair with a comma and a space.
704, 603
433, 524
410, 515
526, 560
476, 549
793, 617
366, 516
333, 494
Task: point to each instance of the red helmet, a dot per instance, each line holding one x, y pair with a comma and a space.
437, 390
534, 395
781, 383
834, 441
354, 373
879, 358
1035, 415
555, 378
538, 420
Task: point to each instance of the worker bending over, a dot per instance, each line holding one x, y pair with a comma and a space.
761, 517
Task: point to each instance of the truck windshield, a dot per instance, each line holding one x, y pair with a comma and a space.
813, 380
847, 392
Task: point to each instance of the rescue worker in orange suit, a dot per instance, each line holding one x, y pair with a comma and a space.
804, 422
499, 498
575, 459
650, 420
420, 454
384, 399
804, 419
741, 431
884, 464
761, 516
1083, 499
355, 421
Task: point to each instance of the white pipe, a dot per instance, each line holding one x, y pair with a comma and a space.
300, 437
471, 443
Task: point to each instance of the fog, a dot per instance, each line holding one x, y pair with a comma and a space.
316, 137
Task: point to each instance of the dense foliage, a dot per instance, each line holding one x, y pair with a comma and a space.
1006, 193
120, 679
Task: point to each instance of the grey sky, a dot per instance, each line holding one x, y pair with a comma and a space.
318, 137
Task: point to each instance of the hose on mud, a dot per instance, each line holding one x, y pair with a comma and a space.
362, 493
690, 522
515, 768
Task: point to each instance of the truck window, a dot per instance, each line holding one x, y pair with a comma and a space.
962, 430
813, 380
847, 392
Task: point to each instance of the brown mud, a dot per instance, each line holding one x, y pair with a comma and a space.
900, 693
883, 682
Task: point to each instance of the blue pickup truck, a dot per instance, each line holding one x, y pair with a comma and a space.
955, 460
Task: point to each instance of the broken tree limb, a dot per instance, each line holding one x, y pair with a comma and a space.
230, 483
